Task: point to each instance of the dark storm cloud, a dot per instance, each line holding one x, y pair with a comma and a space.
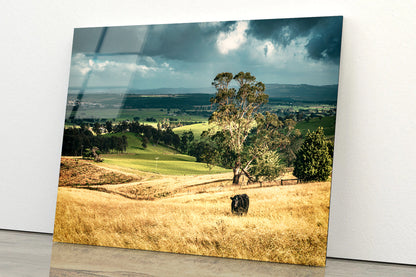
282, 31
191, 42
324, 32
189, 55
326, 40
197, 41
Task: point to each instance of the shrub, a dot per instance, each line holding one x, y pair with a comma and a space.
314, 160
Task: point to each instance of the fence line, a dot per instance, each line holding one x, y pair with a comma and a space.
298, 181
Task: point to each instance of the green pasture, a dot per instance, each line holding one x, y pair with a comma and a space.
158, 114
157, 159
130, 114
297, 108
96, 113
328, 123
197, 129
175, 164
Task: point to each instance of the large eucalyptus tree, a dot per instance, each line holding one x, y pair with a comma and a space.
251, 138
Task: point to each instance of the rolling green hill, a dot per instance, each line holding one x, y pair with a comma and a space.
165, 160
157, 159
134, 146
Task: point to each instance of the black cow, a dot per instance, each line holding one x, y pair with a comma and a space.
239, 204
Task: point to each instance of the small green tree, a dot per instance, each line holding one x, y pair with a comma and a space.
145, 141
265, 140
109, 126
87, 154
185, 141
97, 128
314, 161
267, 166
92, 154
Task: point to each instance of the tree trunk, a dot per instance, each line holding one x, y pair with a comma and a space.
236, 179
237, 174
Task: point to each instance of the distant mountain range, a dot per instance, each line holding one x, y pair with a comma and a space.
302, 92
327, 93
207, 90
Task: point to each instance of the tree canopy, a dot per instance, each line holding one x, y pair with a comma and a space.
246, 139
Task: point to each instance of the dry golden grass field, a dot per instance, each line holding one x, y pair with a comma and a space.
192, 215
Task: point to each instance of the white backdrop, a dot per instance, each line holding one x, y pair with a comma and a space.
373, 207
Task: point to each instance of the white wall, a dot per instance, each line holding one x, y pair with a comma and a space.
373, 211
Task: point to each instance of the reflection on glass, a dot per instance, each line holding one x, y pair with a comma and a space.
87, 260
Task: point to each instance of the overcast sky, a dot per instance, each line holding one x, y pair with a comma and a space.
285, 51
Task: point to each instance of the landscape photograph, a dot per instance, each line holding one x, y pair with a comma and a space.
212, 138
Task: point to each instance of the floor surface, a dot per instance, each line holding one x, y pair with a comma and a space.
33, 255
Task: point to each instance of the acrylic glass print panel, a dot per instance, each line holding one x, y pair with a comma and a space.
211, 138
